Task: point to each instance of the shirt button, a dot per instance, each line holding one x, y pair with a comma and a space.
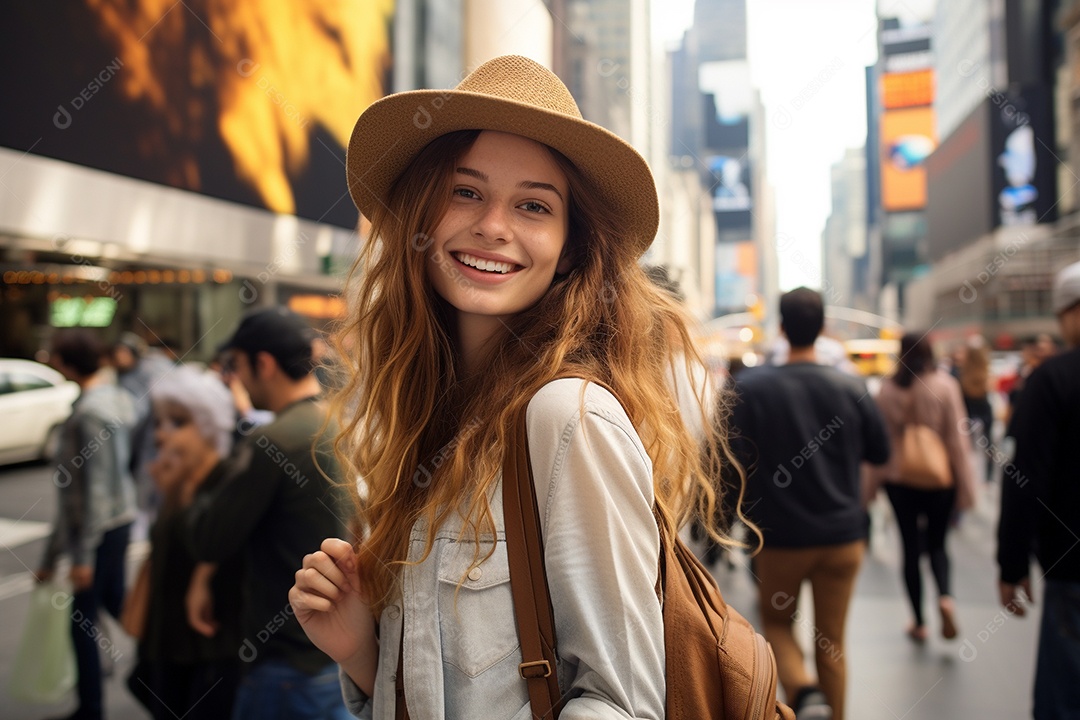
475, 574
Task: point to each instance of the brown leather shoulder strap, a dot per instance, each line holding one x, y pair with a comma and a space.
528, 580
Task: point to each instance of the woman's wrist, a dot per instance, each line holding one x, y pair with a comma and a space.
362, 666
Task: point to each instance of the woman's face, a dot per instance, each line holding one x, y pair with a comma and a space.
496, 250
181, 447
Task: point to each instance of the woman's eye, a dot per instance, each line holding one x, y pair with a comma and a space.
533, 206
464, 192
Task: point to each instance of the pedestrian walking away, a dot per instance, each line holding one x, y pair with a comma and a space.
500, 279
920, 395
974, 377
803, 429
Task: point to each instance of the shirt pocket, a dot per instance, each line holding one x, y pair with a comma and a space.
476, 608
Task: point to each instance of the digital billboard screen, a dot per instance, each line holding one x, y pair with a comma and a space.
1024, 159
730, 180
241, 100
907, 139
907, 89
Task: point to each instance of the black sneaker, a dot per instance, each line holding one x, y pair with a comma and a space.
811, 704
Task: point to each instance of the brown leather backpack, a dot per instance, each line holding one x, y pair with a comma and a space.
718, 666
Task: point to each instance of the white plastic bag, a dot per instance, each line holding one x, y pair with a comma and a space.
44, 669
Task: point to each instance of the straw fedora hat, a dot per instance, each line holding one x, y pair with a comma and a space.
511, 94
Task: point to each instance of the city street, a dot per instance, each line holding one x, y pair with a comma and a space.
987, 672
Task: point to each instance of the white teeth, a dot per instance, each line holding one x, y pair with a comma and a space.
481, 264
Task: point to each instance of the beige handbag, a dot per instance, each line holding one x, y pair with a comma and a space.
924, 461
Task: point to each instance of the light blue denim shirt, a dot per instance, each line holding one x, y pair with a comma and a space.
594, 491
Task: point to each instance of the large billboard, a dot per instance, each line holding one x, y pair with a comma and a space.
1025, 163
730, 188
242, 100
907, 139
997, 168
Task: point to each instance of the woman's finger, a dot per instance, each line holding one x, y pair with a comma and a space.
325, 565
313, 581
344, 556
303, 602
341, 551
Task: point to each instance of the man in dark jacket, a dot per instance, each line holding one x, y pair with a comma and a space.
279, 506
1040, 509
802, 430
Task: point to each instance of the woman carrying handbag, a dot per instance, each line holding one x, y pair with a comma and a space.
500, 279
929, 474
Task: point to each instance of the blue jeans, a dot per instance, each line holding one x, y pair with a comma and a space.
86, 631
274, 690
1057, 693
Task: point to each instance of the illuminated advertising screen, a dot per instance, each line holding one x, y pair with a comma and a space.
243, 100
1023, 156
997, 168
907, 89
82, 312
730, 180
907, 139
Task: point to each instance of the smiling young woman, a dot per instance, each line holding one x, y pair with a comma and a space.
501, 278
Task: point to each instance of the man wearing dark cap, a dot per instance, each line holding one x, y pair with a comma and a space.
1040, 508
276, 508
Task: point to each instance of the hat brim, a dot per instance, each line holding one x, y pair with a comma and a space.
391, 132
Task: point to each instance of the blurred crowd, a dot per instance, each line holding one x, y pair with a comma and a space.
227, 471
818, 444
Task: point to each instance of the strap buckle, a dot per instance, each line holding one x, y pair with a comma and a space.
534, 669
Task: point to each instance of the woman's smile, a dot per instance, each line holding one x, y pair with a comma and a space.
497, 248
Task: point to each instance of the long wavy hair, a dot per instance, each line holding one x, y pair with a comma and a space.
427, 441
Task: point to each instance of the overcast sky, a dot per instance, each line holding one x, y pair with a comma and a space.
807, 57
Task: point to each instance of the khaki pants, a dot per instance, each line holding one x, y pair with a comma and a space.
831, 570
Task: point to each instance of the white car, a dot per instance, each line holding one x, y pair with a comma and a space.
35, 400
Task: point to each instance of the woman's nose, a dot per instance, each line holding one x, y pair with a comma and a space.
493, 223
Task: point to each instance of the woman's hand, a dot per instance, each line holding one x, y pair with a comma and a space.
200, 600
334, 613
